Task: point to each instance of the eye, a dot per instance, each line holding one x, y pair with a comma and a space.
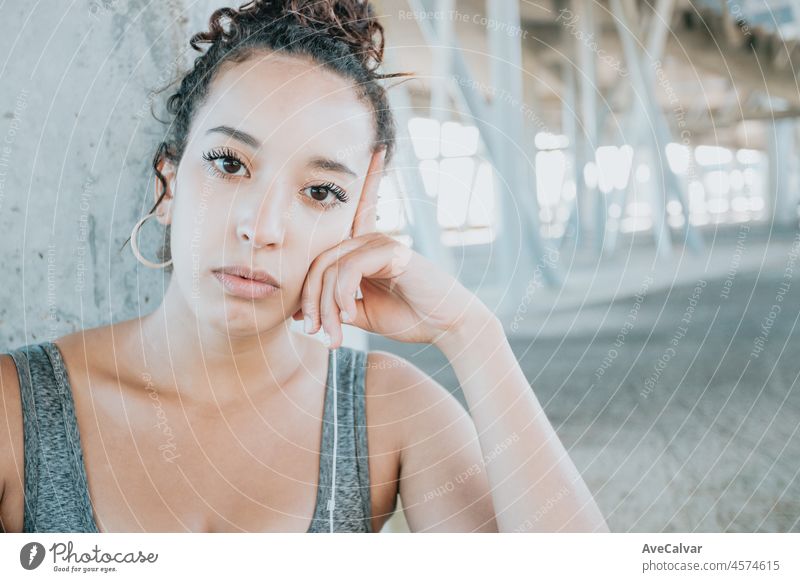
321, 194
225, 163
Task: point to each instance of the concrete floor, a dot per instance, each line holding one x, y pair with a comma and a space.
704, 441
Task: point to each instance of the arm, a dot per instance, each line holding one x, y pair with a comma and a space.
534, 484
11, 447
442, 481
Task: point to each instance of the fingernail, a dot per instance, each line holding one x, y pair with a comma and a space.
308, 324
326, 339
344, 315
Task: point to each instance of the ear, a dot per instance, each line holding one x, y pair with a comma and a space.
365, 217
169, 171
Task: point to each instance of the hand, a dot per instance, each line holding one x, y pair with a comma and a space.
404, 296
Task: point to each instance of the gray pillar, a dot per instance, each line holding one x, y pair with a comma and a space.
783, 172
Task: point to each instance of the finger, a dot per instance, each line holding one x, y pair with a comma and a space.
348, 278
365, 219
340, 282
312, 288
343, 280
329, 310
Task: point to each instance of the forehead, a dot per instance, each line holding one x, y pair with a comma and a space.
290, 102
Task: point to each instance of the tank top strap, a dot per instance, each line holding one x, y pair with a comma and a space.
56, 492
353, 506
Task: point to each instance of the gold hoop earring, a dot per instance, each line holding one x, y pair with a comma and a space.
135, 246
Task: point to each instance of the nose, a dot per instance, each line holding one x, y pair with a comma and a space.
262, 220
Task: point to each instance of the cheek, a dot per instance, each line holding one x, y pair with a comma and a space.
309, 234
197, 231
321, 230
187, 222
201, 212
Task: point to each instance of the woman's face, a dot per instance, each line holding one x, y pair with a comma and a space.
271, 177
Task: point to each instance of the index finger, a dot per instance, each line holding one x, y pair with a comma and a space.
365, 221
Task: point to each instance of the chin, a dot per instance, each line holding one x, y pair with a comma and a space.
233, 315
239, 317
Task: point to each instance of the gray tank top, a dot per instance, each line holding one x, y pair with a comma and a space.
56, 491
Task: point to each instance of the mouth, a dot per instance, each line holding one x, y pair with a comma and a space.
241, 281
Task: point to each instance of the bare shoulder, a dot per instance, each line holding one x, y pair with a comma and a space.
9, 385
393, 375
426, 420
413, 399
90, 353
11, 447
85, 340
393, 390
442, 478
12, 458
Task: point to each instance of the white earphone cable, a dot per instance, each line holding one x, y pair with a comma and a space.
332, 501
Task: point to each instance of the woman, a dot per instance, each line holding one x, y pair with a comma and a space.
210, 414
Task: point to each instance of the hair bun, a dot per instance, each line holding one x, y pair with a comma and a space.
352, 22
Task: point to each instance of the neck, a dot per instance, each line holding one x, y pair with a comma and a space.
209, 365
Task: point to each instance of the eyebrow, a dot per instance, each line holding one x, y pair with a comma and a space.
317, 163
330, 165
241, 136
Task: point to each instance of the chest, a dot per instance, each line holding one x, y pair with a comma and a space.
153, 465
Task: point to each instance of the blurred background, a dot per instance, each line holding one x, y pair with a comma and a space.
618, 180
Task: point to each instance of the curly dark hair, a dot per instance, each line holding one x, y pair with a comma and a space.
343, 36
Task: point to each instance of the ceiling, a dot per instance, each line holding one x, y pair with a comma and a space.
712, 74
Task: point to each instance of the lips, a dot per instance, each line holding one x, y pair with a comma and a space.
241, 281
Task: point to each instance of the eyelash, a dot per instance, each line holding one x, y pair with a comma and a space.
341, 196
222, 154
227, 154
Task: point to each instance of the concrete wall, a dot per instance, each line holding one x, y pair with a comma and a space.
76, 141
